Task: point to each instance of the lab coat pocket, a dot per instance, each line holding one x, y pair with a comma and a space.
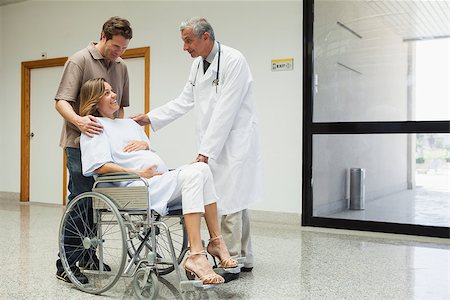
238, 144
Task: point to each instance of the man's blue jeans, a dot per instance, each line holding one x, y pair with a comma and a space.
78, 184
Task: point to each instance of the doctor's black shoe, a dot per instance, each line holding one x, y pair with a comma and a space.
229, 276
93, 265
78, 275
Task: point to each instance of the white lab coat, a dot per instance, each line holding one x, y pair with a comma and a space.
226, 127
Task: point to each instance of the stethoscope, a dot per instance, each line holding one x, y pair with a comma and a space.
215, 81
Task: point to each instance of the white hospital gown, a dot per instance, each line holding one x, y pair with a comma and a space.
108, 147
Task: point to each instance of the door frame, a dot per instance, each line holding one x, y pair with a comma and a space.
27, 66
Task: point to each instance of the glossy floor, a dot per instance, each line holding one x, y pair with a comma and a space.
419, 207
291, 263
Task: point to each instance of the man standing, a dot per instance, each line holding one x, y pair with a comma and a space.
98, 59
220, 87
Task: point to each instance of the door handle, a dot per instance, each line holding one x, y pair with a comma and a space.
32, 135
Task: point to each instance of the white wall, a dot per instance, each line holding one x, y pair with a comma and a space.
61, 28
2, 111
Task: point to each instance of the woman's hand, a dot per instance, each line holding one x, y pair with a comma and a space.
149, 172
135, 146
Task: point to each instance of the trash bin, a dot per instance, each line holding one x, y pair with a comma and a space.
357, 188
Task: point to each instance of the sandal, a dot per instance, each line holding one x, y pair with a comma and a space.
227, 263
210, 278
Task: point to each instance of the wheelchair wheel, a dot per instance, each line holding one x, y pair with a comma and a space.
92, 235
179, 239
146, 289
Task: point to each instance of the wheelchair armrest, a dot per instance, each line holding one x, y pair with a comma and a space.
117, 175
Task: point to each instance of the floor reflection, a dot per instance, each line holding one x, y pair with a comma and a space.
24, 244
291, 263
420, 206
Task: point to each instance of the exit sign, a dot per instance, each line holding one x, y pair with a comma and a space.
285, 64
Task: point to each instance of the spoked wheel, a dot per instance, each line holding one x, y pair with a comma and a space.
163, 253
179, 239
92, 236
146, 286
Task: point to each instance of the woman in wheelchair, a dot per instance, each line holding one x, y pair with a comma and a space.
124, 147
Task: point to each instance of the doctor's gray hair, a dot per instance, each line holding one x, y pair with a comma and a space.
199, 26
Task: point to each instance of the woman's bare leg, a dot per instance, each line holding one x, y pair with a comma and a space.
196, 261
192, 222
212, 220
216, 246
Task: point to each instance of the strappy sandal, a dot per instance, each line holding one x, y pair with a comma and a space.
211, 278
227, 263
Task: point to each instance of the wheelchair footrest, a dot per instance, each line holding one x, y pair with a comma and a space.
192, 285
241, 260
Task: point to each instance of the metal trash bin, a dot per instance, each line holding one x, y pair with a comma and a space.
357, 188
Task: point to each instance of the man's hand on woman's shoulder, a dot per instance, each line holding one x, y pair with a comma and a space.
89, 125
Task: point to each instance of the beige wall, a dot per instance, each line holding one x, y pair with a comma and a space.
255, 28
2, 111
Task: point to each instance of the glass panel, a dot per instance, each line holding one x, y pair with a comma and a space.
432, 78
407, 178
381, 61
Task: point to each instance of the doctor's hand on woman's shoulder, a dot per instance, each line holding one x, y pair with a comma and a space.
201, 158
88, 125
141, 119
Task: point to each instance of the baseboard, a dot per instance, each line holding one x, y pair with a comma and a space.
274, 217
392, 236
255, 215
10, 196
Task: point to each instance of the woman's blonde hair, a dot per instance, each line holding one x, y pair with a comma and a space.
90, 93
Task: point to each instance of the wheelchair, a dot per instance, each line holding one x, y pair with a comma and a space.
114, 227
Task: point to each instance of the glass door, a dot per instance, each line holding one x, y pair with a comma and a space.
376, 117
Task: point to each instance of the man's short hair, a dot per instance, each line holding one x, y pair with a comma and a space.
117, 26
199, 26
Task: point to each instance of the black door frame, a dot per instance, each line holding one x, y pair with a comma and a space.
310, 129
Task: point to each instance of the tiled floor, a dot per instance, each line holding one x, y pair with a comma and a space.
292, 263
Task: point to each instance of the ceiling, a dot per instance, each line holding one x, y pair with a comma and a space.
412, 20
415, 20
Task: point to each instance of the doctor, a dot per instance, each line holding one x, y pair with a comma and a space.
220, 88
